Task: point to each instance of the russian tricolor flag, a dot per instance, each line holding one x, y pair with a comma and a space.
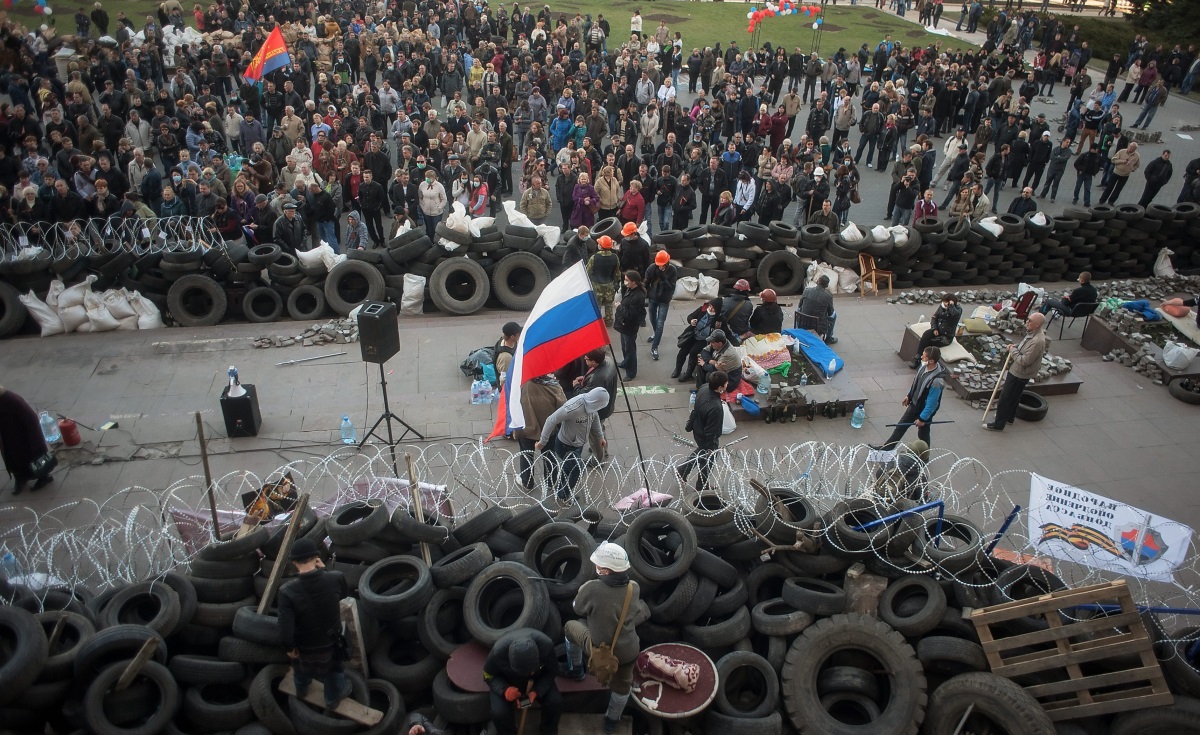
565, 324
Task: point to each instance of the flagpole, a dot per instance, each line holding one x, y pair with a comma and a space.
628, 407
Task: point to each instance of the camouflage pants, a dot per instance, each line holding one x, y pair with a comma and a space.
605, 293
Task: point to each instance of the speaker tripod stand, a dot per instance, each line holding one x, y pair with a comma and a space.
386, 418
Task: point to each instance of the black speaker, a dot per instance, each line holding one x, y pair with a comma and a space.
241, 414
378, 331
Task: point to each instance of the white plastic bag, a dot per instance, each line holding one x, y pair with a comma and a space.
685, 288
1178, 356
458, 219
991, 225
45, 317
1162, 265
400, 229
148, 314
899, 235
1038, 218
56, 289
709, 287
73, 296
412, 301
117, 302
751, 370
98, 315
728, 424
73, 318
313, 257
851, 233
879, 233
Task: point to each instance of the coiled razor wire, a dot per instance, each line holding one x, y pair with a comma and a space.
59, 241
138, 534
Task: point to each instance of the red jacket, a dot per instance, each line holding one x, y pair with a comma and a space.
633, 207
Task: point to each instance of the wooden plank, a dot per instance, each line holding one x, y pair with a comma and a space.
1081, 646
985, 638
56, 633
1070, 630
131, 670
1053, 601
208, 481
1054, 660
347, 708
354, 636
283, 557
417, 508
1109, 706
1096, 681
1064, 647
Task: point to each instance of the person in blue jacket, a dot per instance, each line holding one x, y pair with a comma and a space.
923, 399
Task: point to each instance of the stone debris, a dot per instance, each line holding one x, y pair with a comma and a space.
1126, 289
1143, 361
335, 331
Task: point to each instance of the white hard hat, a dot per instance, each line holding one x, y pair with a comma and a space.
818, 171
611, 556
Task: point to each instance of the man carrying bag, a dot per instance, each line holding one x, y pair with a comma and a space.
612, 609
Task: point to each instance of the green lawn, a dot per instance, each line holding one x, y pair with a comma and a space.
702, 23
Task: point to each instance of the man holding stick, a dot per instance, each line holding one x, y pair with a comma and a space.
1025, 359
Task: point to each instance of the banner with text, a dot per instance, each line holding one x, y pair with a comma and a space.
1079, 526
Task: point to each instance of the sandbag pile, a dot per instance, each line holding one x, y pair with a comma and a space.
789, 635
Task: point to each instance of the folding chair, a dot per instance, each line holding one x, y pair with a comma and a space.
1025, 304
1084, 311
868, 271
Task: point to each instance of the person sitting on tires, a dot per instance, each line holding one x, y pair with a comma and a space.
309, 616
519, 672
941, 328
600, 602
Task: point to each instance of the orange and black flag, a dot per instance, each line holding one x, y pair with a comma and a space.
273, 55
1080, 536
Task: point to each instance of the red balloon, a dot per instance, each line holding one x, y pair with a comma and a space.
39, 9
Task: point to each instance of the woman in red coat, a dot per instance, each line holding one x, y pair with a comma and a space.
21, 440
633, 206
779, 123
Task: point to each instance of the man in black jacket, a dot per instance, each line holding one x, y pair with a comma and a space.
705, 423
710, 184
1039, 156
564, 189
520, 658
660, 289
1190, 175
1086, 168
1085, 293
371, 200
1024, 204
1059, 157
1157, 173
402, 193
289, 232
310, 624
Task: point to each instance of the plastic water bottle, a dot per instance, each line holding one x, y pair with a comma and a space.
10, 567
804, 378
831, 368
692, 400
348, 436
49, 428
764, 384
857, 418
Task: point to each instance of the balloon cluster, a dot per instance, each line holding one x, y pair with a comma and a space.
40, 7
784, 7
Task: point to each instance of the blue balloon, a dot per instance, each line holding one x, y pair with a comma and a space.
751, 8
820, 21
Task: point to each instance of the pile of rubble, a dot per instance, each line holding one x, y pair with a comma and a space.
1126, 289
1143, 361
334, 331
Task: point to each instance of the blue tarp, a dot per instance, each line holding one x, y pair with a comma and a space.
817, 351
1143, 307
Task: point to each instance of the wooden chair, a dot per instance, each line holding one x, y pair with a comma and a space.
868, 271
1024, 305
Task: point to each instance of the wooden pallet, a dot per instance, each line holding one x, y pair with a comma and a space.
1063, 648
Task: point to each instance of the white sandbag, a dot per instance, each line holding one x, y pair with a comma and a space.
56, 289
73, 296
45, 317
991, 225
313, 257
880, 233
478, 223
87, 325
449, 245
458, 219
412, 300
847, 280
117, 302
97, 312
1162, 265
550, 235
708, 287
74, 317
1038, 218
851, 233
1177, 356
515, 217
816, 270
147, 311
128, 324
400, 229
686, 287
899, 234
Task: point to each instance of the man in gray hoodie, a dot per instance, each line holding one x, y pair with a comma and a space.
566, 431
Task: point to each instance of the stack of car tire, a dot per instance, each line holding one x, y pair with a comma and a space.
784, 633
509, 268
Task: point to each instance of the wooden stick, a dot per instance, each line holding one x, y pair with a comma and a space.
525, 711
131, 670
282, 558
348, 707
418, 510
354, 637
999, 380
57, 632
208, 481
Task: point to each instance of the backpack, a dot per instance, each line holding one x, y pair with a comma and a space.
476, 363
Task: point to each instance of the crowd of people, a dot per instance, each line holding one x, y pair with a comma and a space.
393, 113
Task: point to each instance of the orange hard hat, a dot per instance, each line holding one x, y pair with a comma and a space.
662, 258
629, 229
605, 242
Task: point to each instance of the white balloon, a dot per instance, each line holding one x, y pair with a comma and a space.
816, 26
749, 16
47, 11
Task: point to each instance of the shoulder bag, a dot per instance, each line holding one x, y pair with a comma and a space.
603, 663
